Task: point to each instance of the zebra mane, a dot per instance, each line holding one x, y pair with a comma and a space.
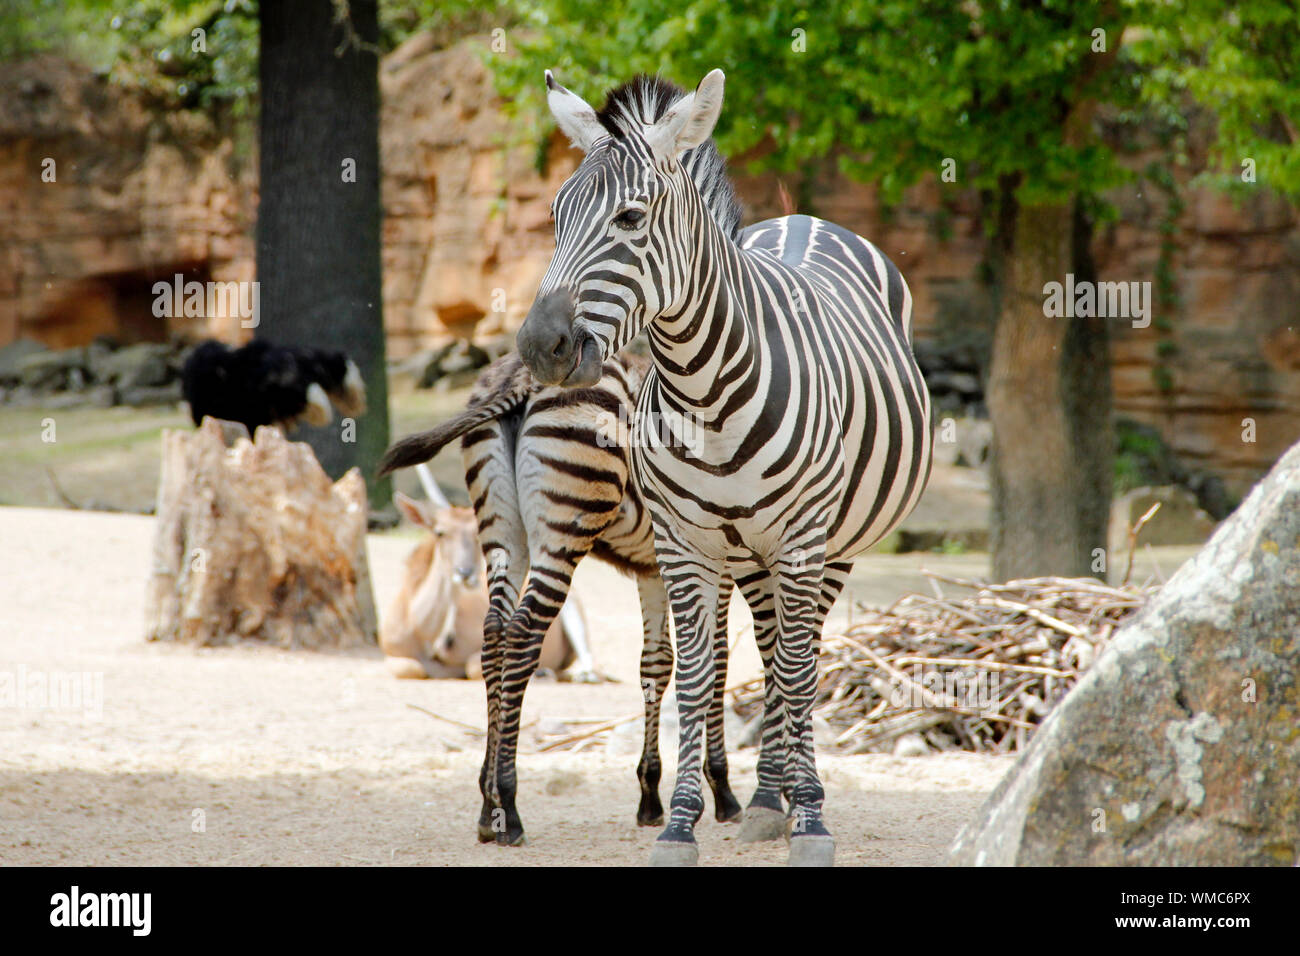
640, 102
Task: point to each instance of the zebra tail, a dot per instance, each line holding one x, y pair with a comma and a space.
420, 447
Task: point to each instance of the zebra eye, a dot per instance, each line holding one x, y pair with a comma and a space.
629, 218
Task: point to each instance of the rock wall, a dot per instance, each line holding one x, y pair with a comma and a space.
101, 195
467, 232
143, 194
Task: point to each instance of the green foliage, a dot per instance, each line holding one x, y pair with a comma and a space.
893, 87
29, 27
1241, 60
148, 44
890, 89
162, 50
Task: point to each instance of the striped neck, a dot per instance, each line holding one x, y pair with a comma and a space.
705, 345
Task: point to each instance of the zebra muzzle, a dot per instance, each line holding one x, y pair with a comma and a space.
555, 351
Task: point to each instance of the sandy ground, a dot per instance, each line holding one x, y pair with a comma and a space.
250, 755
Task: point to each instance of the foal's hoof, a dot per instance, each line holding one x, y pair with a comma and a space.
761, 824
665, 853
486, 834
812, 850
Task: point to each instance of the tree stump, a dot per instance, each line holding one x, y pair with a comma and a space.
254, 542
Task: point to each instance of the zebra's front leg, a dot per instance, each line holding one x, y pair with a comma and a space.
543, 595
693, 595
656, 669
726, 808
765, 817
800, 613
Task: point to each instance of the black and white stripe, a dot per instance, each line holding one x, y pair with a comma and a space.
785, 353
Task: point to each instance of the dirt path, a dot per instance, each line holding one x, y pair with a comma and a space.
317, 759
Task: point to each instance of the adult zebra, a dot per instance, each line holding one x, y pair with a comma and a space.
548, 475
789, 351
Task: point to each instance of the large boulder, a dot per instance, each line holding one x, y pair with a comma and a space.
1181, 745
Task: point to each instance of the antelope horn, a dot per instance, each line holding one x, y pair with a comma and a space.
431, 489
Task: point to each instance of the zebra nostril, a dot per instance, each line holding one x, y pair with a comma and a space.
560, 347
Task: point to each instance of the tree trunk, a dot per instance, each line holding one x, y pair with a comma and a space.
1050, 462
1086, 386
255, 542
318, 230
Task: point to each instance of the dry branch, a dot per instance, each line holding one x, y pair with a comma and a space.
974, 673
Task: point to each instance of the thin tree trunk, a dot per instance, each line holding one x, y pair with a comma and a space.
318, 233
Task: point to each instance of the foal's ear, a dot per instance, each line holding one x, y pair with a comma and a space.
576, 119
689, 121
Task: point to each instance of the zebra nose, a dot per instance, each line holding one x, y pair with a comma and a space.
546, 341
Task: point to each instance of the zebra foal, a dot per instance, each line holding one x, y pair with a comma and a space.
788, 347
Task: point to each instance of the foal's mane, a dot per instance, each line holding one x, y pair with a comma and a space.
640, 102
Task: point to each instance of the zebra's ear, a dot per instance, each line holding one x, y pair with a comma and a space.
576, 119
689, 121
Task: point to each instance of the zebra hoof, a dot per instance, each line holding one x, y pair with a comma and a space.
730, 815
762, 824
812, 851
665, 853
486, 834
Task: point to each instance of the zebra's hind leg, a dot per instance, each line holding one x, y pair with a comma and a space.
726, 808
656, 669
765, 817
544, 593
503, 591
693, 595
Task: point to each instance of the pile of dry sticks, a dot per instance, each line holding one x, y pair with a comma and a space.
976, 672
